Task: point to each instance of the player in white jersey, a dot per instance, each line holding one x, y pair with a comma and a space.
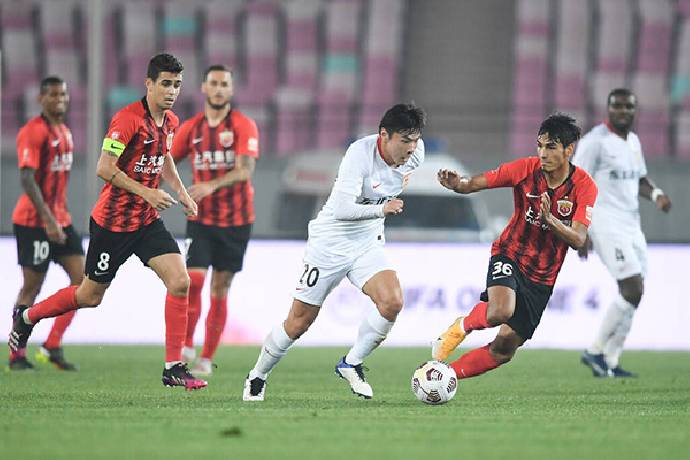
346, 239
611, 153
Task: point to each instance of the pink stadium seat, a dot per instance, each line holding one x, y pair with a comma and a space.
293, 120
615, 35
56, 23
682, 135
333, 120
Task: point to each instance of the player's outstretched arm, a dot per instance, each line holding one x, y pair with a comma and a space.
107, 170
33, 191
575, 236
654, 194
452, 180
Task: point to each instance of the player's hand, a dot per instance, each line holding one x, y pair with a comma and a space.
663, 202
452, 180
201, 190
159, 199
545, 208
55, 232
393, 207
190, 207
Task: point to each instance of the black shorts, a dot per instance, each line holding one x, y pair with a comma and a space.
108, 250
35, 251
222, 248
530, 297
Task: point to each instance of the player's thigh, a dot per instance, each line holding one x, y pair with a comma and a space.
501, 287
107, 252
90, 293
171, 270
156, 248
616, 251
531, 300
316, 282
33, 247
73, 266
198, 251
640, 248
229, 245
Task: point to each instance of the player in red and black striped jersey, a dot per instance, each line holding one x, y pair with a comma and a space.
42, 222
125, 220
222, 145
554, 200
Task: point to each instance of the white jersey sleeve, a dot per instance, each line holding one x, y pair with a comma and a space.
587, 154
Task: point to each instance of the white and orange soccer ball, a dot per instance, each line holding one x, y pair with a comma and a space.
434, 383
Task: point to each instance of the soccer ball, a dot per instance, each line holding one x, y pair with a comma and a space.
434, 383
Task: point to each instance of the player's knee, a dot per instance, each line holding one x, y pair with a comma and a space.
501, 353
498, 313
89, 299
179, 285
390, 305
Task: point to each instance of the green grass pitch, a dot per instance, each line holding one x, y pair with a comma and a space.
543, 405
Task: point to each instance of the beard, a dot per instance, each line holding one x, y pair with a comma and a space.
217, 106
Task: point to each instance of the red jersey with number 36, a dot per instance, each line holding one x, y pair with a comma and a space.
144, 148
538, 252
48, 150
213, 151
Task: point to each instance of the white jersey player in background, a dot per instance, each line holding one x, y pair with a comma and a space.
346, 239
611, 153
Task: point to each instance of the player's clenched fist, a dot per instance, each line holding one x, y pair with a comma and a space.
394, 206
159, 199
190, 206
453, 180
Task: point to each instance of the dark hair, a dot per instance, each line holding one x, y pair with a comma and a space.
50, 81
619, 92
163, 63
403, 119
561, 128
215, 67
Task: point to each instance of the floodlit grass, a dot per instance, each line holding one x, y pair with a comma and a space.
544, 404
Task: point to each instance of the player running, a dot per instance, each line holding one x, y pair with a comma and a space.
222, 144
346, 239
42, 222
125, 220
612, 154
553, 207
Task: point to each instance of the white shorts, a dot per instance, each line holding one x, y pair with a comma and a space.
624, 255
317, 282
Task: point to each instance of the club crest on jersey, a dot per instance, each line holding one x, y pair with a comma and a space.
565, 207
226, 138
169, 141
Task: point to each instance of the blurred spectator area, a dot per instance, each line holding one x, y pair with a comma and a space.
312, 73
570, 54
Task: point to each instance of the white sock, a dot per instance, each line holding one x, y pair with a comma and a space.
614, 346
25, 316
169, 365
372, 332
275, 346
613, 317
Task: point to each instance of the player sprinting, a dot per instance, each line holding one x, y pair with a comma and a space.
553, 208
346, 239
222, 144
612, 154
125, 220
42, 223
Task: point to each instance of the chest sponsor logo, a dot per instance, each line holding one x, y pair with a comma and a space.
226, 138
149, 164
62, 162
214, 159
565, 207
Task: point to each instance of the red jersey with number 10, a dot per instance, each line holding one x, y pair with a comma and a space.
48, 150
213, 152
142, 160
538, 252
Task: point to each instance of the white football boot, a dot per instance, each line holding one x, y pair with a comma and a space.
355, 377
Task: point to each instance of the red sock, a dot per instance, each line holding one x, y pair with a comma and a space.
58, 330
61, 302
194, 310
175, 326
477, 318
215, 324
474, 363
